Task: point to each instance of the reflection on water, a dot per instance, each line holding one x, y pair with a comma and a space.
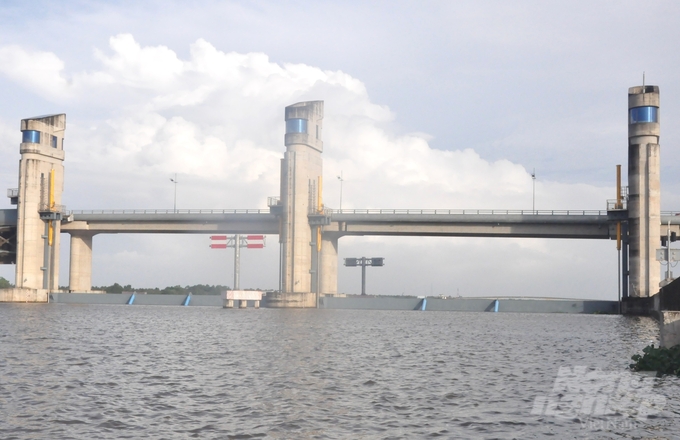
190, 372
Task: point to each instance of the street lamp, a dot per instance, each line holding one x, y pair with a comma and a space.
341, 180
533, 196
174, 206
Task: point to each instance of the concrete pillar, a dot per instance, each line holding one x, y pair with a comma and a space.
329, 264
80, 263
301, 172
243, 304
670, 329
39, 210
644, 190
228, 303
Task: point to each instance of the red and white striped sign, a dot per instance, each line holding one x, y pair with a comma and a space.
255, 241
249, 241
218, 242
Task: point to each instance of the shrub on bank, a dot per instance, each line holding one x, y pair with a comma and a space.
662, 360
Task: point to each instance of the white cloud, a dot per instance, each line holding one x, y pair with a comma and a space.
38, 71
145, 67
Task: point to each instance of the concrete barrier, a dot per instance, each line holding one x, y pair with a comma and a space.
140, 299
241, 298
23, 295
523, 305
670, 329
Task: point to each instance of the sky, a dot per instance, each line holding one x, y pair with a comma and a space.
432, 104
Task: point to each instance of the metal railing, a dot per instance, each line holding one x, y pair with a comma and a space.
615, 205
465, 212
171, 211
329, 211
46, 207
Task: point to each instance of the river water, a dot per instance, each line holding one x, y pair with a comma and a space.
110, 372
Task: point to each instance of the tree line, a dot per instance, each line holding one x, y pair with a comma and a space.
198, 289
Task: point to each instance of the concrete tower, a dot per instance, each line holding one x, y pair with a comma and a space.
41, 182
301, 172
644, 195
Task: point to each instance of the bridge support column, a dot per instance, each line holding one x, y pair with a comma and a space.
301, 171
80, 264
329, 265
644, 190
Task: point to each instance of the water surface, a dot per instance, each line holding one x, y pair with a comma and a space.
98, 371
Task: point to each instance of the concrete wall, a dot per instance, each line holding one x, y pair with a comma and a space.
358, 302
23, 295
669, 297
469, 304
369, 303
670, 329
140, 299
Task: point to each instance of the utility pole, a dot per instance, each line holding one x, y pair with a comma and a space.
237, 242
174, 205
341, 180
533, 194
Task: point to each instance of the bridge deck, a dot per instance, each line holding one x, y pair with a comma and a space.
405, 222
593, 226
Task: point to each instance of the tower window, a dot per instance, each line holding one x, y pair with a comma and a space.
54, 142
643, 114
30, 136
296, 126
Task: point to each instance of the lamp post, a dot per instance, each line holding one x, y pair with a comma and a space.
341, 180
174, 205
533, 195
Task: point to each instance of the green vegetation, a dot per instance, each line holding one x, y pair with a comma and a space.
4, 284
662, 360
198, 289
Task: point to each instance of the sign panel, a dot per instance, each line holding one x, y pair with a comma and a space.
245, 241
350, 262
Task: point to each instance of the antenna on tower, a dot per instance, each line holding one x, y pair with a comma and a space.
643, 82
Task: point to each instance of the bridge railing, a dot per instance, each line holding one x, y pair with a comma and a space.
465, 212
171, 211
329, 211
46, 207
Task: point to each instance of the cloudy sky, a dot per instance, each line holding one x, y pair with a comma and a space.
432, 104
